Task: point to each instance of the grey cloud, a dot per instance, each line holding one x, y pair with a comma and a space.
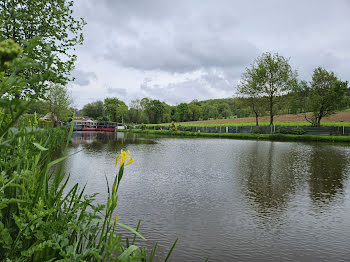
211, 84
83, 78
116, 91
219, 38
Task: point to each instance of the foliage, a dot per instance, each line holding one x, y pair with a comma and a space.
38, 26
269, 77
325, 95
298, 131
182, 113
143, 127
94, 110
40, 219
154, 110
195, 111
115, 109
58, 102
256, 130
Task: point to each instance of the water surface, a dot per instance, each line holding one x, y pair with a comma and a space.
229, 200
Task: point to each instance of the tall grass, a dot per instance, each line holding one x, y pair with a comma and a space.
41, 219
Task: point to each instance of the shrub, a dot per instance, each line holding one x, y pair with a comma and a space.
298, 131
283, 130
256, 130
143, 127
173, 126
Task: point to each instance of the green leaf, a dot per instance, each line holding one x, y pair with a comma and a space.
128, 252
132, 230
40, 146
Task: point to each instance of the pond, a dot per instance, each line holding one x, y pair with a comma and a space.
229, 200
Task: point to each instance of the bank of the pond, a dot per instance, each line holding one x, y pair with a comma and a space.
272, 137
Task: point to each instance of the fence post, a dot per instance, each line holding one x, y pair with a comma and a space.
236, 129
227, 129
343, 130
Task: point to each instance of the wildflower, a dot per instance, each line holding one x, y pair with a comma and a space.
123, 157
35, 114
115, 222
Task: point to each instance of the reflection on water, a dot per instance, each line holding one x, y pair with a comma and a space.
229, 200
110, 141
328, 167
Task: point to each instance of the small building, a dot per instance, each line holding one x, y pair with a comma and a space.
85, 124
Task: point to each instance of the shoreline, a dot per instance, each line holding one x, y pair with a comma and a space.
247, 136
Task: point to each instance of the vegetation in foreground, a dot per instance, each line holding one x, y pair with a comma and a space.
272, 137
40, 218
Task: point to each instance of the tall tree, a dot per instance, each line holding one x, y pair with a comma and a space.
58, 101
94, 110
326, 94
196, 111
270, 77
54, 28
116, 110
182, 113
155, 110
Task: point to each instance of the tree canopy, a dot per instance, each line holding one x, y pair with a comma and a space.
42, 27
270, 77
325, 94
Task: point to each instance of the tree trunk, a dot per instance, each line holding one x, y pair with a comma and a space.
256, 115
271, 110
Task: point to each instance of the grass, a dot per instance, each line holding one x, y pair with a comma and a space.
263, 123
271, 137
43, 220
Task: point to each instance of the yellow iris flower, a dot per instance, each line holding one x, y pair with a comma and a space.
123, 157
115, 222
35, 114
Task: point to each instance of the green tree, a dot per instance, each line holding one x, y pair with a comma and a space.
196, 111
270, 77
224, 110
325, 95
182, 112
59, 101
167, 113
116, 110
13, 82
154, 109
210, 111
40, 107
54, 28
94, 109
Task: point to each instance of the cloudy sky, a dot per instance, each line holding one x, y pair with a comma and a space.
177, 51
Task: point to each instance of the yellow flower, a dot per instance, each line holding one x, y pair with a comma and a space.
35, 114
115, 222
123, 157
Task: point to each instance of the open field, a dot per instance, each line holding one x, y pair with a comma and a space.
338, 119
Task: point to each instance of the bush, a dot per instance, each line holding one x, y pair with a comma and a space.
187, 128
143, 127
283, 130
256, 130
298, 131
